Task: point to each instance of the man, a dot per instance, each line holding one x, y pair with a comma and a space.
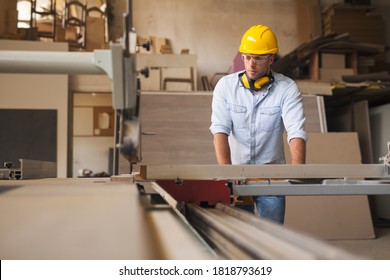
251, 109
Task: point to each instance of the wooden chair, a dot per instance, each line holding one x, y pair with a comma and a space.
96, 28
74, 18
190, 80
96, 12
44, 19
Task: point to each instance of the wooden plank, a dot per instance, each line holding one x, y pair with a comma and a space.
314, 87
161, 61
267, 171
175, 127
90, 83
91, 219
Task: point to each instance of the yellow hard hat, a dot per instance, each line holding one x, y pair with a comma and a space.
259, 39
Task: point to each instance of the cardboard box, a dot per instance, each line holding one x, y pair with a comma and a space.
5, 6
95, 33
71, 33
8, 4
332, 60
12, 22
60, 33
2, 21
22, 34
359, 22
337, 63
334, 74
66, 34
158, 44
309, 20
44, 26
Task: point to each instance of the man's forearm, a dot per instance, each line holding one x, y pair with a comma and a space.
298, 151
222, 149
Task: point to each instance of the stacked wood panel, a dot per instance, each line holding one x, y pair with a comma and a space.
360, 22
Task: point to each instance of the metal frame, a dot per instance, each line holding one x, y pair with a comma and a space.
326, 187
234, 233
29, 169
238, 234
304, 179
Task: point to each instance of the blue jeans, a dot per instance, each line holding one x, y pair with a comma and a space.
269, 207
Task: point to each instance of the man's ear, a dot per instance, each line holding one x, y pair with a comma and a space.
271, 59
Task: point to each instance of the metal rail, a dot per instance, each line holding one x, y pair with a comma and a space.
28, 169
325, 187
237, 234
49, 62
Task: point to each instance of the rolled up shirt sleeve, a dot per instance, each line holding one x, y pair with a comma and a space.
293, 113
221, 121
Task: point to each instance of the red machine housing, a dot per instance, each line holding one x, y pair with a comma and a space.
199, 192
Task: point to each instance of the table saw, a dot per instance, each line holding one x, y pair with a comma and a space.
164, 212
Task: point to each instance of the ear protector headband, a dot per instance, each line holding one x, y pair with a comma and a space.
255, 85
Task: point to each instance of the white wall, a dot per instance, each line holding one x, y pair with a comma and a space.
39, 91
89, 151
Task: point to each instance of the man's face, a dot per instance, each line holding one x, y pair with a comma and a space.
257, 66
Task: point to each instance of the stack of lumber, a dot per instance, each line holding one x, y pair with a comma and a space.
298, 62
359, 21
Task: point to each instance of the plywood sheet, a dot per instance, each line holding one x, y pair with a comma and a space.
176, 127
89, 219
331, 217
353, 117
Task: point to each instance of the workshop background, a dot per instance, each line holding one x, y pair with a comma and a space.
337, 51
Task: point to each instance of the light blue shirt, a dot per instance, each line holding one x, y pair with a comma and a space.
255, 120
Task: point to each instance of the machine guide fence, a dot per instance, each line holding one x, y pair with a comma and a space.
280, 179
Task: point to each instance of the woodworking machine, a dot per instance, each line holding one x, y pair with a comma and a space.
192, 182
118, 62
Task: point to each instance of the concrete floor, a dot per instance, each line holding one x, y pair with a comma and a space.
376, 249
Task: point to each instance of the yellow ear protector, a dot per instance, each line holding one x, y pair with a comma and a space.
255, 85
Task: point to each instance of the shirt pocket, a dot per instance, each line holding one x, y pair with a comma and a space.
238, 114
270, 118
